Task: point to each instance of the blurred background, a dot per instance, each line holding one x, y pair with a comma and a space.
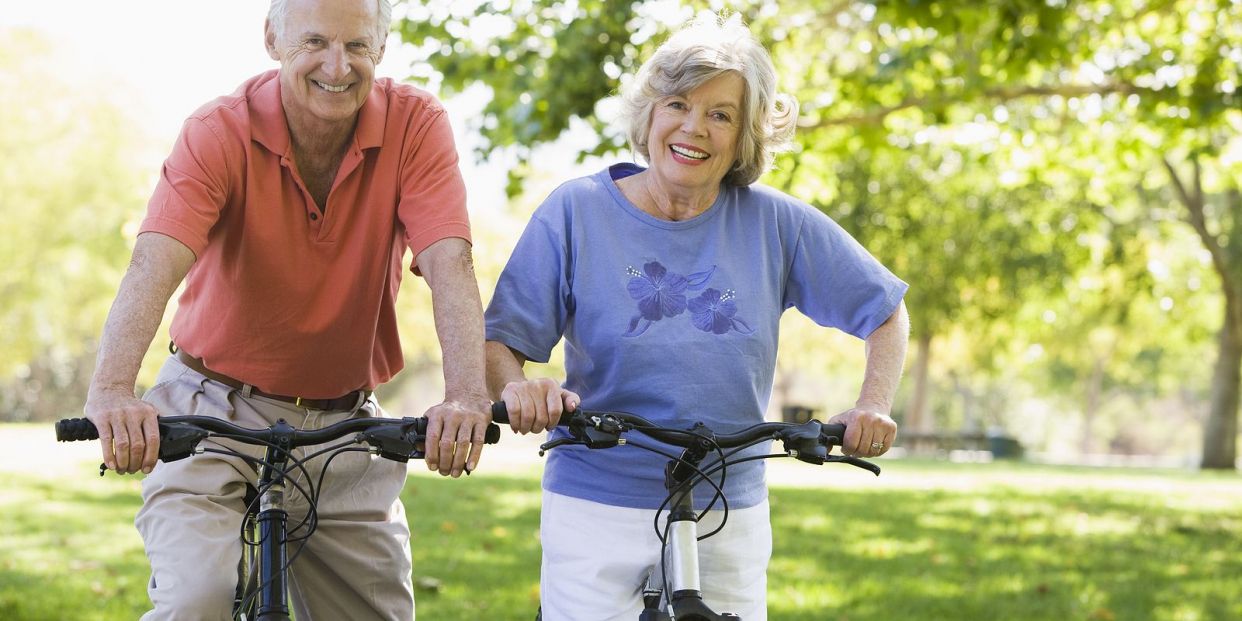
1058, 181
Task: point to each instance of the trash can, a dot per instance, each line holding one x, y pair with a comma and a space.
1004, 446
796, 414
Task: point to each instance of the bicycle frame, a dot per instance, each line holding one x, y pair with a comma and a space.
395, 439
686, 599
810, 442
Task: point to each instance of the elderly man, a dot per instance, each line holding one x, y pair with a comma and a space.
287, 207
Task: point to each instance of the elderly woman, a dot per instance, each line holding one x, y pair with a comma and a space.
667, 284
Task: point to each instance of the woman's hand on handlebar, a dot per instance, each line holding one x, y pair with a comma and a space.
536, 405
868, 431
129, 432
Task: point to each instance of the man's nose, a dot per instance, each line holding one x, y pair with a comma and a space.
336, 62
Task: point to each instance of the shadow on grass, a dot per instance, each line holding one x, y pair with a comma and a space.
1000, 554
70, 552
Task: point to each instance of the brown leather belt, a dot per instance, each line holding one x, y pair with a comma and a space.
342, 403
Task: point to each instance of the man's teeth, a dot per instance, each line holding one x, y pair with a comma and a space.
330, 88
690, 153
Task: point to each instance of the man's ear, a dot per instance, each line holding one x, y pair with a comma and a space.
269, 40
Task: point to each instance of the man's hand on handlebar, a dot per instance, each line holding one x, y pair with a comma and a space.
456, 430
868, 431
129, 431
536, 405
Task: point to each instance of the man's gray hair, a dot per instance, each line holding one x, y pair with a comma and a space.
707, 47
279, 8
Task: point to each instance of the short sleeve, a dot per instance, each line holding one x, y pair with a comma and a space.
432, 202
193, 187
534, 297
835, 282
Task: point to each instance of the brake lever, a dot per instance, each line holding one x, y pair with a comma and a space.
178, 441
595, 432
551, 444
395, 443
804, 443
856, 462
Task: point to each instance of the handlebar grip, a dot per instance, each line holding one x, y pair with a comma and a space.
500, 412
75, 429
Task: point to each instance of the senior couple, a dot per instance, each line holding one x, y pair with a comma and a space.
287, 207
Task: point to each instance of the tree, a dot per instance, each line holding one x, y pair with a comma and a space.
1019, 95
68, 188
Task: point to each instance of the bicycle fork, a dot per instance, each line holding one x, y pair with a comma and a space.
273, 524
273, 521
685, 602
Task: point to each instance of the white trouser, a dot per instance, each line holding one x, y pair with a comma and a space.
596, 559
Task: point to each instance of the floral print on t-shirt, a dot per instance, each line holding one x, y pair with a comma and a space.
662, 294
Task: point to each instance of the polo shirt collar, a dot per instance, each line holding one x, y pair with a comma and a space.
270, 129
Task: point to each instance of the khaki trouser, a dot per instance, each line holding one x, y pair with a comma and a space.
356, 565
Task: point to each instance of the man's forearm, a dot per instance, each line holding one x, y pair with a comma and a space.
886, 355
458, 313
156, 268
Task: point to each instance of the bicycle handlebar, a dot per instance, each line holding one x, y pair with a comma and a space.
394, 438
811, 441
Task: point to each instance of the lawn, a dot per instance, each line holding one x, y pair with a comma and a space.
926, 541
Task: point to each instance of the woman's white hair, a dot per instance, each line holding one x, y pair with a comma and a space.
279, 8
707, 47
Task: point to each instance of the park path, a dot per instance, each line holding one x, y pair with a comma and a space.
32, 449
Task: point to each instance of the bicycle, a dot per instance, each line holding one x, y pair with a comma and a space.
262, 586
810, 442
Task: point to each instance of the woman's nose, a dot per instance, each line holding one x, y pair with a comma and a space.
693, 124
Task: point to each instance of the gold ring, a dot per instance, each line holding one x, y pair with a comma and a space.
877, 446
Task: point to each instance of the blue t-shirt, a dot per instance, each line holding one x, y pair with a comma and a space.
675, 321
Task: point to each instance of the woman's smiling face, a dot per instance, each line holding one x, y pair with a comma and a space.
692, 142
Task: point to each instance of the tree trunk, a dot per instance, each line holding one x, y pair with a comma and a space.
1220, 432
919, 421
1095, 388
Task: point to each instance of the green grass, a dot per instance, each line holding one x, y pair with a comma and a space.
927, 541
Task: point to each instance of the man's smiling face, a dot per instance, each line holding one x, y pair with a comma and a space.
328, 50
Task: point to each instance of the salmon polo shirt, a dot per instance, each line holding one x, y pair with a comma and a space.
281, 296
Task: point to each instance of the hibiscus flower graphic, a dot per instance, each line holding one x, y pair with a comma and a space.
660, 293
714, 312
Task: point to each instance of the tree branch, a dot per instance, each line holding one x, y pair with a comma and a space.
1197, 218
1000, 94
